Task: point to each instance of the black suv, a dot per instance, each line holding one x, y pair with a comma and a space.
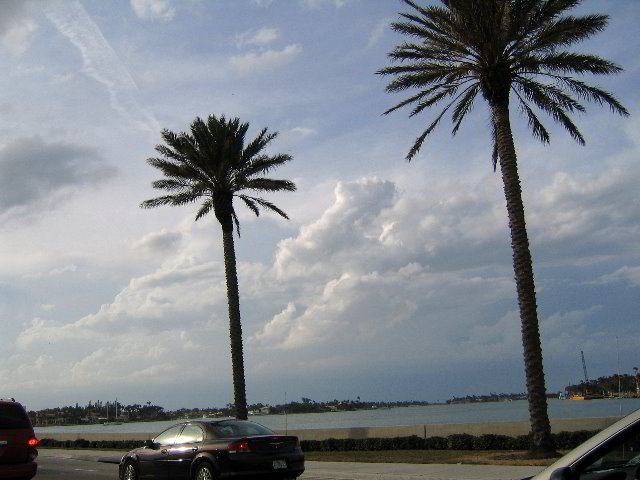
17, 442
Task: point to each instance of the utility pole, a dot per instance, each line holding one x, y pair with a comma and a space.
637, 382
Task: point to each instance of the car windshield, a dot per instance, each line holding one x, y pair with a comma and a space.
232, 429
13, 416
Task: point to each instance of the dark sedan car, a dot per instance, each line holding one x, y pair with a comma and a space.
203, 450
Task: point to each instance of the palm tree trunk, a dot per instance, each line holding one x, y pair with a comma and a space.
542, 443
235, 327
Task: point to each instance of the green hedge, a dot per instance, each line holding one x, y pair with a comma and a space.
562, 440
463, 441
82, 443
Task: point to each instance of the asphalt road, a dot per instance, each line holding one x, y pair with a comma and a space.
62, 468
89, 465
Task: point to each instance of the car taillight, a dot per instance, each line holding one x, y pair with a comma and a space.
33, 442
238, 447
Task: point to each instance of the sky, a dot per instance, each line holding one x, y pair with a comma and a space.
391, 280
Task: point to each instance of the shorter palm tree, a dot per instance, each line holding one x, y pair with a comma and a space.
214, 165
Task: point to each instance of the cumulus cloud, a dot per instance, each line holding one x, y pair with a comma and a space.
16, 26
153, 9
253, 62
382, 279
36, 175
586, 216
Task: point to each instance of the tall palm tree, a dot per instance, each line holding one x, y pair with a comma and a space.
499, 48
214, 165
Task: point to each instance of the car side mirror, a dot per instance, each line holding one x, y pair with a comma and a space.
150, 444
563, 473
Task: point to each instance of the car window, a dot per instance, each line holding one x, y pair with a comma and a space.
13, 416
169, 436
232, 429
191, 434
622, 456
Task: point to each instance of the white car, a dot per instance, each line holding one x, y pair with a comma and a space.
612, 454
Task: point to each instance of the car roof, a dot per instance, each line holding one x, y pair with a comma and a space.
11, 401
219, 421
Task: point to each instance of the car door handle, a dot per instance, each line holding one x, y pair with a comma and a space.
195, 449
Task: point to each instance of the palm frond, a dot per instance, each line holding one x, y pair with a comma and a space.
258, 144
264, 164
593, 94
494, 139
551, 106
266, 205
413, 98
568, 62
464, 106
435, 99
547, 93
174, 200
269, 185
536, 126
236, 221
171, 184
420, 140
565, 31
251, 204
206, 207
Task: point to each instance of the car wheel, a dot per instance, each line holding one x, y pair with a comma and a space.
129, 472
204, 472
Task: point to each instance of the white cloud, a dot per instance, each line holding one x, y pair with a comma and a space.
378, 32
101, 62
319, 3
161, 242
303, 131
153, 9
36, 175
16, 26
259, 38
254, 62
631, 275
53, 273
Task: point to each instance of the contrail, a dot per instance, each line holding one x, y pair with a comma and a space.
100, 61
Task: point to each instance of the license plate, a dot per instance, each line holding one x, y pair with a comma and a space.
279, 464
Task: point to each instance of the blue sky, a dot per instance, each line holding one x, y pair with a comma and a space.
391, 281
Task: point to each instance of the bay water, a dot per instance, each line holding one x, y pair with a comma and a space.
411, 415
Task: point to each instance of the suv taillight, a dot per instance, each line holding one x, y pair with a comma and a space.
33, 442
238, 447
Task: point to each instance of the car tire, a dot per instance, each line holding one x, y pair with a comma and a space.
204, 471
129, 472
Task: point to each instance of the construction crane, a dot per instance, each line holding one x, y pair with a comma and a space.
584, 368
